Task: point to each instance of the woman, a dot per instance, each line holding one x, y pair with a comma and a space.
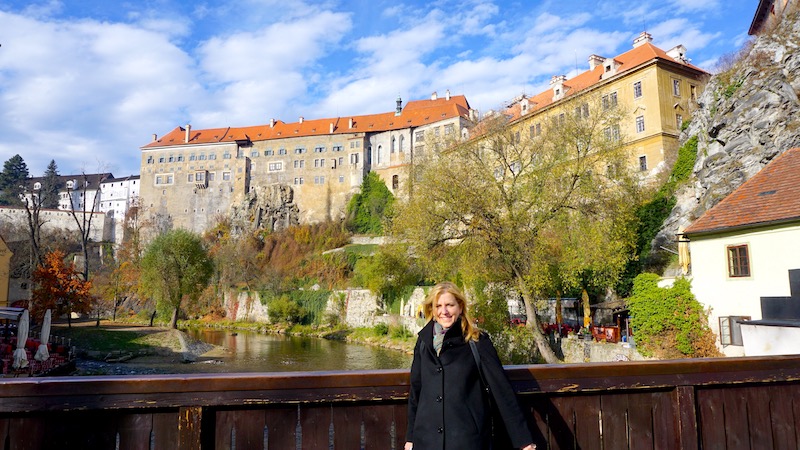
447, 406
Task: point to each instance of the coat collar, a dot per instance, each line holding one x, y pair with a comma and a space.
454, 334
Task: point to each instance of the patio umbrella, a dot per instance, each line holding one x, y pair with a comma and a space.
41, 353
20, 357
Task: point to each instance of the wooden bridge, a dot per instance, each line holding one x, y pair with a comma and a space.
734, 403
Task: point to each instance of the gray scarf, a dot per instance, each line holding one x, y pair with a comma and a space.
438, 336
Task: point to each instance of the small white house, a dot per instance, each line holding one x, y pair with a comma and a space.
742, 250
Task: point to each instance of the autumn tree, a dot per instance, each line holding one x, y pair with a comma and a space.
505, 204
176, 267
59, 287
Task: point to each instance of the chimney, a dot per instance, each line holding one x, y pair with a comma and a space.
188, 133
272, 123
642, 39
399, 109
595, 60
678, 53
155, 137
331, 129
447, 95
434, 96
556, 79
350, 123
301, 119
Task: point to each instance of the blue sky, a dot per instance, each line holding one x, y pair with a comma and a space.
88, 82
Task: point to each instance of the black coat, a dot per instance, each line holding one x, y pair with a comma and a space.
447, 407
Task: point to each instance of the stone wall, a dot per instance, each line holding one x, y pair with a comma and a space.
580, 351
245, 306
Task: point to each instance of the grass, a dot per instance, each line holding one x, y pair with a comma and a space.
106, 339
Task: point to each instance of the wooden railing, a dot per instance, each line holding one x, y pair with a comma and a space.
734, 403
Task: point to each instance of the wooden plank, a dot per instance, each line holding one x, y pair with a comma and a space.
315, 422
347, 427
400, 417
134, 431
561, 423
223, 428
587, 420
665, 421
248, 429
737, 435
377, 427
189, 428
711, 420
615, 421
686, 411
281, 426
165, 430
640, 420
539, 408
758, 399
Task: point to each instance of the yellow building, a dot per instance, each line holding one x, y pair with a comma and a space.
5, 271
190, 177
657, 90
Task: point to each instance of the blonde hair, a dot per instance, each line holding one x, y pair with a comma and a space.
468, 328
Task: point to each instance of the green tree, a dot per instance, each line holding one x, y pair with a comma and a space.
669, 322
492, 207
175, 267
366, 211
48, 194
12, 181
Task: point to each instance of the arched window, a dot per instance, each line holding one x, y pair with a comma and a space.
395, 182
402, 139
380, 154
394, 140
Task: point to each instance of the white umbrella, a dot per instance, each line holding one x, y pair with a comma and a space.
41, 353
20, 357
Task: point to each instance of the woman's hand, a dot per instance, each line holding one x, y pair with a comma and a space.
529, 447
410, 445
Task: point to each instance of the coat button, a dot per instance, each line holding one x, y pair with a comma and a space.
440, 430
439, 398
438, 370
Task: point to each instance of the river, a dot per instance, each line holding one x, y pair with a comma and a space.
246, 351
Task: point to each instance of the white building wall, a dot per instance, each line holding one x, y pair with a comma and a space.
767, 340
773, 251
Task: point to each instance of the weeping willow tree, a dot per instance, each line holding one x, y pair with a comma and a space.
537, 208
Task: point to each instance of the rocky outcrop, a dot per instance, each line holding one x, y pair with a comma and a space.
747, 115
270, 208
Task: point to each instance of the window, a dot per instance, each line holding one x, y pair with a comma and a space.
676, 87
436, 131
200, 177
693, 92
319, 149
394, 144
254, 154
192, 157
299, 151
171, 158
202, 157
353, 158
609, 100
211, 176
298, 180
355, 144
149, 160
639, 124
336, 148
738, 261
341, 161
268, 152
226, 155
341, 178
448, 129
37, 185
226, 176
402, 140
319, 180
333, 163
273, 167
319, 162
180, 158
517, 137
159, 179
533, 131
299, 163
281, 151
637, 89
419, 136
160, 159
562, 118
643, 163
190, 178
395, 182
212, 156
538, 129
678, 121
730, 329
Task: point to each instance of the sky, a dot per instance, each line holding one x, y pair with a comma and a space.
87, 83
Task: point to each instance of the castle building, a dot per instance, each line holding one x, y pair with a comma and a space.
656, 89
190, 177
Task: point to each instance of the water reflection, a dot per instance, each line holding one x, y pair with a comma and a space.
254, 352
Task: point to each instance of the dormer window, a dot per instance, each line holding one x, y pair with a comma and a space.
37, 186
70, 184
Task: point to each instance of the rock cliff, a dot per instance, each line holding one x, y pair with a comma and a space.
746, 116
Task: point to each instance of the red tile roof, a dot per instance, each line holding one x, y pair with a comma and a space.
626, 62
770, 196
416, 113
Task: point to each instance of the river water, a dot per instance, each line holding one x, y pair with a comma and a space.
245, 351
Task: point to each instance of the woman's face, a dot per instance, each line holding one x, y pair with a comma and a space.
447, 310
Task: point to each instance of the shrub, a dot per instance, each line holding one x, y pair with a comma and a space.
381, 329
284, 310
669, 322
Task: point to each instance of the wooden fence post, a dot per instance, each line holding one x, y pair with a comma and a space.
189, 428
